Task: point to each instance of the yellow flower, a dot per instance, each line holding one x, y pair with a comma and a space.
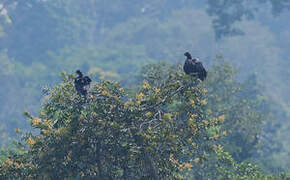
175, 161
30, 141
159, 99
188, 165
16, 165
218, 147
116, 98
94, 114
36, 121
221, 118
193, 116
30, 177
9, 161
42, 114
21, 165
17, 130
191, 122
31, 166
196, 160
147, 136
171, 156
146, 85
138, 102
59, 130
206, 122
140, 96
45, 132
148, 114
157, 90
128, 103
191, 101
214, 120
47, 123
224, 133
179, 176
209, 111
180, 166
121, 90
216, 136
203, 102
104, 92
167, 116
204, 90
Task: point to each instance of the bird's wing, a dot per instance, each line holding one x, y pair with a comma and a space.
87, 80
188, 66
201, 70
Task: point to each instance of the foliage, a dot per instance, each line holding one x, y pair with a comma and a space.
242, 106
227, 13
110, 134
229, 169
166, 129
39, 38
227, 101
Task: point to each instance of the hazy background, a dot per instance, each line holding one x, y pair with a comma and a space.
113, 39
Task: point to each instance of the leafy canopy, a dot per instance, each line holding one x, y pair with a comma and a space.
109, 134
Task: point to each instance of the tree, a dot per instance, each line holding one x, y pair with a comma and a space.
111, 135
163, 130
242, 106
226, 13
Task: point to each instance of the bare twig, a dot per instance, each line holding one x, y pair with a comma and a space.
148, 122
159, 118
164, 99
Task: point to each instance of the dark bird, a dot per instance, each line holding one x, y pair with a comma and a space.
82, 84
78, 82
194, 67
86, 82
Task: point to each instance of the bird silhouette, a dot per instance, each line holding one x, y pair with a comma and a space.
82, 84
194, 67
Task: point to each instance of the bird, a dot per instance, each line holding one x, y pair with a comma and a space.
81, 83
86, 82
194, 67
78, 82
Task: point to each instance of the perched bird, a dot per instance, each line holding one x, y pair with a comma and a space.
81, 83
78, 82
194, 67
86, 82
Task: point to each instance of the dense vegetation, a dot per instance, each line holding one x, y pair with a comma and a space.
170, 127
113, 40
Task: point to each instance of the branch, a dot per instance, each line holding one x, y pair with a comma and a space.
159, 118
164, 99
148, 122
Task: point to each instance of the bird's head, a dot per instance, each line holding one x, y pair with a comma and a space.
188, 55
196, 59
78, 72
